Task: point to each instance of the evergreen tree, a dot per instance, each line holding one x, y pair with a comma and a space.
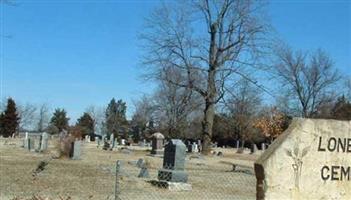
59, 119
116, 117
86, 123
9, 120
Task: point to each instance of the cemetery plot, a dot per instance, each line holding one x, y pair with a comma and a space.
93, 175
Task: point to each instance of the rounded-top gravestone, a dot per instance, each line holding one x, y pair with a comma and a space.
157, 143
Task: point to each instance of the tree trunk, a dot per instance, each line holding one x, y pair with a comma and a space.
211, 93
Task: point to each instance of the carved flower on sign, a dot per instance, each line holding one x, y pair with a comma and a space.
297, 156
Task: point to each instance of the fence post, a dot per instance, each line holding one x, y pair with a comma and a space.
117, 188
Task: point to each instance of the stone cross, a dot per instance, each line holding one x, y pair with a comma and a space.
174, 162
157, 143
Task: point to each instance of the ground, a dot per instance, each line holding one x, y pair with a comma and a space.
93, 176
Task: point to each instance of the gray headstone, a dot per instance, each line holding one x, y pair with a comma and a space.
157, 143
140, 163
144, 173
76, 150
174, 162
44, 142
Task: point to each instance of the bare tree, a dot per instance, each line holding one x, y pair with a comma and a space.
98, 115
175, 104
243, 104
308, 77
226, 40
27, 116
43, 117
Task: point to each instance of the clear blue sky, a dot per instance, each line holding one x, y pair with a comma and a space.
73, 54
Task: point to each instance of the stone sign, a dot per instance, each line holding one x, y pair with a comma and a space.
310, 160
173, 162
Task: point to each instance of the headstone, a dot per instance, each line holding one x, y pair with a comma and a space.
112, 140
140, 163
310, 160
254, 148
199, 145
75, 150
39, 144
44, 141
123, 142
25, 141
190, 147
195, 148
237, 144
157, 143
31, 144
263, 146
174, 162
144, 173
87, 139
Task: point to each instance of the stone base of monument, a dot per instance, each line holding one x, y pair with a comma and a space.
172, 175
172, 186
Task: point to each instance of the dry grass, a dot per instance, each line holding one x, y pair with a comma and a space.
93, 177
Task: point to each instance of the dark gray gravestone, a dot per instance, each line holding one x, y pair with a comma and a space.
174, 162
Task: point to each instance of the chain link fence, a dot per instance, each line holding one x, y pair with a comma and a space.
142, 179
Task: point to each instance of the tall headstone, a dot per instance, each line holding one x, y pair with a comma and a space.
31, 144
75, 150
263, 146
44, 141
25, 141
157, 143
310, 160
195, 148
174, 162
199, 145
112, 141
237, 144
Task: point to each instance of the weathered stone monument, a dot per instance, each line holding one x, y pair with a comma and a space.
195, 148
157, 143
44, 142
25, 141
174, 162
310, 160
75, 150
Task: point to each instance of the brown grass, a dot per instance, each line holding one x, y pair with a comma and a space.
93, 177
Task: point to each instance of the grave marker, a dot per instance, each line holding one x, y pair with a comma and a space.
174, 162
157, 143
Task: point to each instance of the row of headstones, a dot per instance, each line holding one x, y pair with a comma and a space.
29, 143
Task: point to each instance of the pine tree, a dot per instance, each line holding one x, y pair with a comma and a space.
9, 119
116, 117
86, 123
60, 120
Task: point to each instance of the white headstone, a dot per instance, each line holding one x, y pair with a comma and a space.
44, 141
